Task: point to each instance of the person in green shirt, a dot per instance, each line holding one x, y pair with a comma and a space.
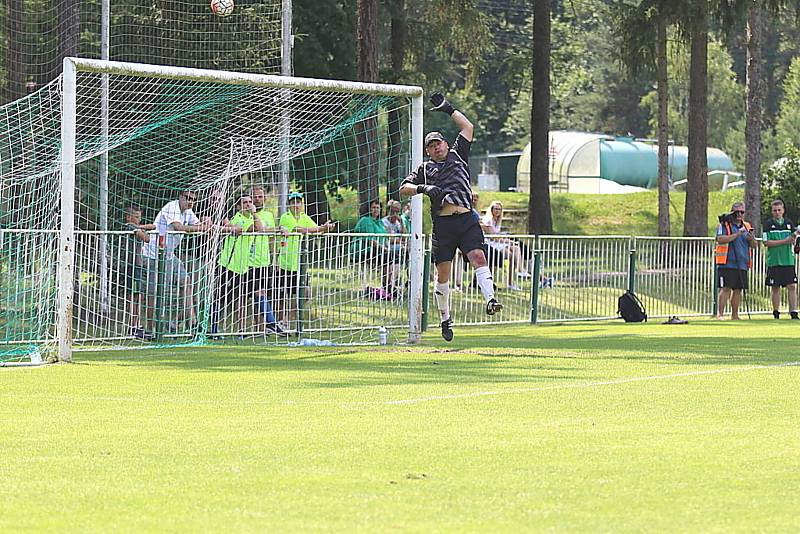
294, 221
262, 276
375, 250
234, 261
779, 237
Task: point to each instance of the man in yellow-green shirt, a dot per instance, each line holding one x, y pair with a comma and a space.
294, 221
234, 261
261, 276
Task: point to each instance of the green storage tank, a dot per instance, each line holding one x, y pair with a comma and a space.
628, 162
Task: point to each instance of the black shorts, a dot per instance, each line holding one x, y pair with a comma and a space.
134, 279
230, 285
261, 278
781, 275
460, 231
732, 278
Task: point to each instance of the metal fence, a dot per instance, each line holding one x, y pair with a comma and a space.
345, 296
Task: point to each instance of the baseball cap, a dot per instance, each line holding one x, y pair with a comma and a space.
295, 194
433, 136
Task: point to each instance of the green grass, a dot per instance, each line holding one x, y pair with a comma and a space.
587, 427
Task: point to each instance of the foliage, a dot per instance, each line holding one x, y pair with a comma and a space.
725, 101
782, 180
787, 128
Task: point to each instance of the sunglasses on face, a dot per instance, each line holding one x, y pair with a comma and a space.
739, 212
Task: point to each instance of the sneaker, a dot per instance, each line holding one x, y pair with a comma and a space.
514, 287
144, 335
275, 330
493, 307
521, 274
776, 314
135, 330
794, 315
447, 329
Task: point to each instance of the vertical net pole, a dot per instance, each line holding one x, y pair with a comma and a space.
105, 33
66, 261
415, 253
286, 70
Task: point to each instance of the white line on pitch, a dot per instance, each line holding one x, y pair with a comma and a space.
587, 384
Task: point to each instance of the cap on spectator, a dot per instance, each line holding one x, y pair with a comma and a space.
295, 194
433, 136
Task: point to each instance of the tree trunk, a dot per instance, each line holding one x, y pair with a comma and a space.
69, 17
752, 132
663, 127
696, 212
15, 66
398, 51
540, 220
367, 131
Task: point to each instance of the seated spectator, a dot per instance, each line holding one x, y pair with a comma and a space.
375, 249
502, 246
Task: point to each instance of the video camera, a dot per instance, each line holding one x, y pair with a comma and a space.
727, 218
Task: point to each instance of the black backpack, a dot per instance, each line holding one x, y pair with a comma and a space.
631, 308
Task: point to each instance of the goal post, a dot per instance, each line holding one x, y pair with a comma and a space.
177, 125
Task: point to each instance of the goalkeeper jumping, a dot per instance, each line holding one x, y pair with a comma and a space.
444, 178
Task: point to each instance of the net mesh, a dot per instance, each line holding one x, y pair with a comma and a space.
168, 142
38, 34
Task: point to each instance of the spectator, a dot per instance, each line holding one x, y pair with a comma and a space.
134, 265
175, 216
295, 221
779, 237
732, 257
262, 276
504, 247
234, 262
374, 250
406, 216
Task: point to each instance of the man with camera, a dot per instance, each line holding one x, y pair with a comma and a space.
779, 236
732, 257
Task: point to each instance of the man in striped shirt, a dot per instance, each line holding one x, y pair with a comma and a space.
444, 178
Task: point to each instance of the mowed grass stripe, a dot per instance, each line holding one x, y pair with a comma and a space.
302, 439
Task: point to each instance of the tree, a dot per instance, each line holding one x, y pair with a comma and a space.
696, 209
540, 219
753, 115
15, 67
366, 130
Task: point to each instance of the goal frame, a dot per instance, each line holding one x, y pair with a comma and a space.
71, 67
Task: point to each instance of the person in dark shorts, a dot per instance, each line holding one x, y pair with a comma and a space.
134, 265
732, 257
779, 237
444, 178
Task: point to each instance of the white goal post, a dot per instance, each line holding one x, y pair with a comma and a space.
72, 151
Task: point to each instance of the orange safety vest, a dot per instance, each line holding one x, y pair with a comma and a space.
721, 250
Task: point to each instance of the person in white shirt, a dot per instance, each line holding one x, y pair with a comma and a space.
506, 247
175, 216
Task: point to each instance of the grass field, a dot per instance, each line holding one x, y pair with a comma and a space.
583, 427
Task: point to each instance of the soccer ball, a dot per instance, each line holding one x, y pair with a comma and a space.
222, 8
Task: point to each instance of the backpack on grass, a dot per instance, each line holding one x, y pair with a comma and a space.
631, 308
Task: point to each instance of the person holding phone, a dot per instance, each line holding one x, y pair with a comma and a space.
733, 259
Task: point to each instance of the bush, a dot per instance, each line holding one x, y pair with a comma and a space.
782, 180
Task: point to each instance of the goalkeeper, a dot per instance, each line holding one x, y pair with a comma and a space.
444, 178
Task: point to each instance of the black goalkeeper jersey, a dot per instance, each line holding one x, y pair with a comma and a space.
450, 175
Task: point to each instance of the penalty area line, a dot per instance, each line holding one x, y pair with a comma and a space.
583, 385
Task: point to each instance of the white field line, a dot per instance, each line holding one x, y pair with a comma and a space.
418, 400
581, 385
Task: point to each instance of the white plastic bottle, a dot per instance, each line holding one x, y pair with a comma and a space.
383, 335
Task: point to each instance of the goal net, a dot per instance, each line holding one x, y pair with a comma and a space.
88, 260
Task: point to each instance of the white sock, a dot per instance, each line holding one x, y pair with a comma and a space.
442, 293
485, 282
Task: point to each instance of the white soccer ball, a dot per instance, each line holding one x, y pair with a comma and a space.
222, 8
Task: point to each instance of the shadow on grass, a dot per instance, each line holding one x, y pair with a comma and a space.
526, 356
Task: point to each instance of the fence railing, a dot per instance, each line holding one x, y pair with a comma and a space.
344, 292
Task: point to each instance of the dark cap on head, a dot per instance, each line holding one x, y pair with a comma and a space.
433, 136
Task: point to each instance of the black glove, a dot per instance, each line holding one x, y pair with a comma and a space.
440, 103
436, 194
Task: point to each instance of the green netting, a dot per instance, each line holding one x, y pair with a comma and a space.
219, 142
36, 34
